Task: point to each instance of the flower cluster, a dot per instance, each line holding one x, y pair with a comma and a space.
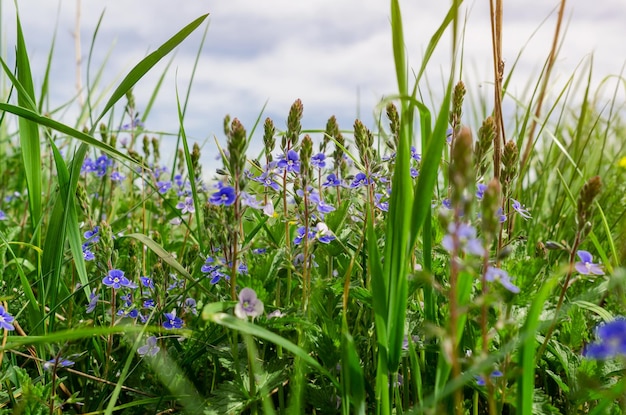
611, 341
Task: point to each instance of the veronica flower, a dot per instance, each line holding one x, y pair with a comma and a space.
190, 306
250, 200
480, 190
384, 206
3, 216
519, 208
468, 242
500, 275
116, 176
116, 279
267, 179
6, 320
300, 233
290, 162
414, 172
91, 235
172, 321
147, 282
249, 305
332, 181
150, 348
360, 180
611, 340
93, 302
480, 380
323, 234
224, 196
87, 254
586, 266
163, 186
318, 160
415, 155
56, 363
186, 206
268, 209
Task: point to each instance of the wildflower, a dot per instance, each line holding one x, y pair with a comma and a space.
267, 180
415, 155
332, 181
57, 362
92, 235
468, 241
6, 319
190, 306
268, 209
275, 314
384, 206
93, 302
318, 160
186, 206
323, 233
360, 180
87, 254
480, 380
224, 196
148, 303
322, 207
585, 266
446, 203
259, 251
163, 186
290, 162
116, 279
622, 162
611, 340
150, 348
250, 200
414, 173
300, 233
172, 321
249, 305
116, 176
500, 275
101, 165
147, 282
3, 216
480, 190
519, 208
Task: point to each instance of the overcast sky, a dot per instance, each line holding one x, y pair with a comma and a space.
335, 55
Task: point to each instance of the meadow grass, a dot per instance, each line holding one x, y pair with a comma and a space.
430, 265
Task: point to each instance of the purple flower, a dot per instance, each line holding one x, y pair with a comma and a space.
190, 306
57, 362
300, 233
150, 348
87, 254
290, 163
249, 305
250, 200
149, 303
93, 302
500, 275
224, 196
3, 216
586, 266
466, 235
318, 161
519, 208
384, 206
116, 279
116, 176
163, 186
360, 180
611, 341
414, 173
480, 380
415, 155
480, 191
267, 179
186, 206
332, 181
147, 282
6, 319
172, 321
92, 236
323, 234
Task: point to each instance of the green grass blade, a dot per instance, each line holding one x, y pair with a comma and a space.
352, 380
147, 63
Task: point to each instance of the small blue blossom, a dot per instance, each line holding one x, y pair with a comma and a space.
267, 180
116, 279
58, 362
148, 303
186, 206
190, 306
92, 235
323, 234
163, 186
359, 180
93, 302
384, 206
116, 176
300, 233
332, 181
468, 242
480, 380
150, 348
249, 305
290, 162
415, 155
414, 172
500, 275
519, 208
259, 251
611, 341
224, 196
480, 190
586, 265
318, 160
3, 216
6, 320
250, 200
87, 254
147, 282
172, 321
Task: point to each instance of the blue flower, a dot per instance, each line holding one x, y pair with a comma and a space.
116, 279
116, 176
318, 160
384, 206
267, 179
332, 181
6, 319
500, 275
415, 155
290, 162
224, 196
519, 208
147, 282
148, 303
150, 348
87, 254
92, 236
190, 306
57, 362
360, 180
480, 190
611, 341
163, 186
300, 233
414, 173
586, 266
323, 234
186, 206
249, 305
480, 380
172, 321
466, 235
3, 216
93, 302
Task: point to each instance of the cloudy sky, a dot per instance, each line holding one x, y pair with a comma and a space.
334, 55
